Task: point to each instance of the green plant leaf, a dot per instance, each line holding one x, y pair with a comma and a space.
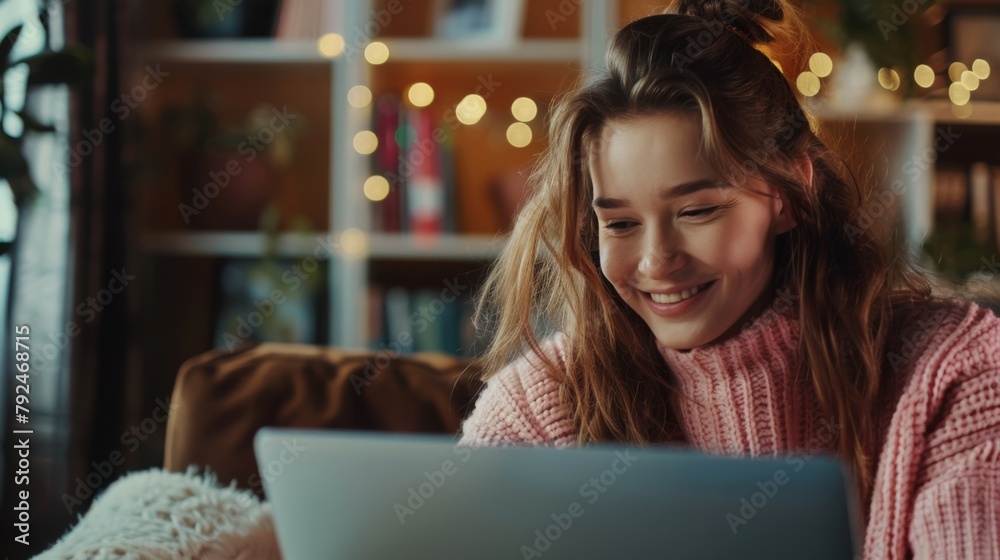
73, 65
33, 124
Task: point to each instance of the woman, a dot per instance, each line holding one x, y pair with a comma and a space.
695, 246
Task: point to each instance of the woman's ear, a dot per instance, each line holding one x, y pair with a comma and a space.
783, 219
805, 167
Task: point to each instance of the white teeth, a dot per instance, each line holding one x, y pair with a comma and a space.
675, 297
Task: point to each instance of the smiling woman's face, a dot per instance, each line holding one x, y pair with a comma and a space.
671, 229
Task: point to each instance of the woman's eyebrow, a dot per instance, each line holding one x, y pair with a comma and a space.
683, 189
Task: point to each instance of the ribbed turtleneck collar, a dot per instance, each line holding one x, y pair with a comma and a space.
745, 395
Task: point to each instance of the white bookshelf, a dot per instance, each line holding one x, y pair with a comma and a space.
348, 274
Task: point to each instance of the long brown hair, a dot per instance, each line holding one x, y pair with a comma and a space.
702, 60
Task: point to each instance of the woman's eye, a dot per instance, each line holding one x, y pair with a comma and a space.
619, 226
700, 212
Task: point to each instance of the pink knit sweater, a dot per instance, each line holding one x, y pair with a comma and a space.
937, 479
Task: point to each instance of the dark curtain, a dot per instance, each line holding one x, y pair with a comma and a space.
102, 391
87, 393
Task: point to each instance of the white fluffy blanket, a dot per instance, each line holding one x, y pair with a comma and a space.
156, 514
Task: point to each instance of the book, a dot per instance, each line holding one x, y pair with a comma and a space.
425, 190
426, 320
298, 19
399, 337
447, 163
451, 326
376, 312
996, 205
309, 19
980, 206
388, 211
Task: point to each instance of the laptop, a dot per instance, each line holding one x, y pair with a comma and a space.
372, 495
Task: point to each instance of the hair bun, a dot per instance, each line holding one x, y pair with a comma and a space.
756, 19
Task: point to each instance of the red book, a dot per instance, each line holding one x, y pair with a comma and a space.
389, 211
425, 187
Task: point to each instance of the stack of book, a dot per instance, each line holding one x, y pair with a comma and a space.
416, 156
405, 320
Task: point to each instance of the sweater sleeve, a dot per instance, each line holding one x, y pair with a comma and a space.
521, 405
956, 510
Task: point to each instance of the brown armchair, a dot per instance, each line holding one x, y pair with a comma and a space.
222, 398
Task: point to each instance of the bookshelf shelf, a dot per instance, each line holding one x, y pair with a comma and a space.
536, 50
264, 51
381, 245
228, 244
236, 51
940, 111
986, 113
444, 247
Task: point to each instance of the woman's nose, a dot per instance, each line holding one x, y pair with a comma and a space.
660, 257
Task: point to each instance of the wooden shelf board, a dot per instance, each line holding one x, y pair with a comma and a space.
443, 247
247, 51
381, 245
530, 50
262, 51
228, 244
940, 111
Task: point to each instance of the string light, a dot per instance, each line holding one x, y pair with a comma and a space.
923, 75
420, 94
955, 71
981, 68
365, 142
470, 109
821, 64
970, 80
376, 188
888, 78
524, 109
330, 45
376, 52
807, 83
519, 135
958, 93
359, 96
354, 242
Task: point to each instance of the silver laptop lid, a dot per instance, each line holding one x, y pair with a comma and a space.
370, 495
